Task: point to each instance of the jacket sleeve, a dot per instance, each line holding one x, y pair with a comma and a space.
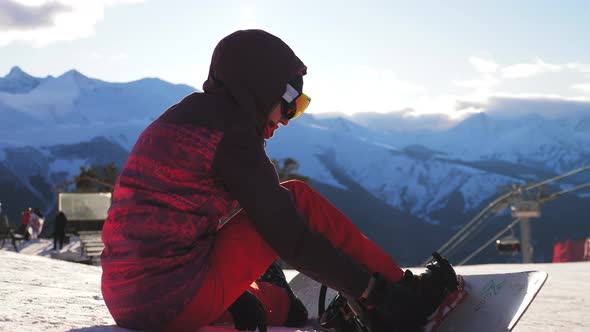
248, 174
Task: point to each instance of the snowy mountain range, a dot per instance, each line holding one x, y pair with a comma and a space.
51, 126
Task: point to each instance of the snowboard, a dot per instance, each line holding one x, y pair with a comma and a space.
493, 302
486, 303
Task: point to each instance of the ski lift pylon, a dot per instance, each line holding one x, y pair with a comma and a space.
526, 209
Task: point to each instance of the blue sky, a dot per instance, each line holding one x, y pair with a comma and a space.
413, 57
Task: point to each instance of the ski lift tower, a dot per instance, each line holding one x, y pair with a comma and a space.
524, 210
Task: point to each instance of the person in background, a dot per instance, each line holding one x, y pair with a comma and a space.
26, 216
59, 231
36, 222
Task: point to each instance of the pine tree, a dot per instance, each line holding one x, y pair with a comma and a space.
83, 184
94, 179
286, 169
110, 173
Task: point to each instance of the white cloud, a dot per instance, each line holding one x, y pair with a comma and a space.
483, 65
374, 89
488, 77
378, 86
547, 106
444, 104
42, 22
579, 67
523, 70
17, 16
403, 120
484, 82
582, 87
380, 90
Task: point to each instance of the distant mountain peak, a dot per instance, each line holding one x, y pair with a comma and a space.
73, 99
18, 81
16, 71
73, 73
481, 116
476, 121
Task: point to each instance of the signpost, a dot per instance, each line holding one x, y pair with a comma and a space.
85, 211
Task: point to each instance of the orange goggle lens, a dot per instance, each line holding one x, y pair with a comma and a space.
297, 107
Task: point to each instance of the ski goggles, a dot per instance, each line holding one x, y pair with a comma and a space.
294, 103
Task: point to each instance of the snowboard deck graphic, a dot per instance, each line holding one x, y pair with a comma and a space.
494, 302
489, 303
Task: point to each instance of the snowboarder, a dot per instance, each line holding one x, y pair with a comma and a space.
59, 231
166, 263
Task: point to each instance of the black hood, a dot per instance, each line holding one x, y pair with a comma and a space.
253, 67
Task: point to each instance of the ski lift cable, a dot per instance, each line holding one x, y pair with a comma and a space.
473, 232
476, 226
460, 236
467, 234
494, 238
478, 220
542, 201
557, 194
559, 177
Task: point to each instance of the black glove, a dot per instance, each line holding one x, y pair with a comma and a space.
248, 313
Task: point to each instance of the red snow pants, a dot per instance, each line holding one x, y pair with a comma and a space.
240, 256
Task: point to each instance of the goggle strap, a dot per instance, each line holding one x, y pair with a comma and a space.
290, 94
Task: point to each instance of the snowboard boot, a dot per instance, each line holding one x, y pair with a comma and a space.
406, 304
435, 284
297, 315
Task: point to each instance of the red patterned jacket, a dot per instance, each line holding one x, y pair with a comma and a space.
188, 170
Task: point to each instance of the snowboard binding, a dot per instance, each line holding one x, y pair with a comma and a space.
348, 315
339, 316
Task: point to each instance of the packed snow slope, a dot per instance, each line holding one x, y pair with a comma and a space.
42, 294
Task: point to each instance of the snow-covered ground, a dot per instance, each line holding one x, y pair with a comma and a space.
44, 247
42, 294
